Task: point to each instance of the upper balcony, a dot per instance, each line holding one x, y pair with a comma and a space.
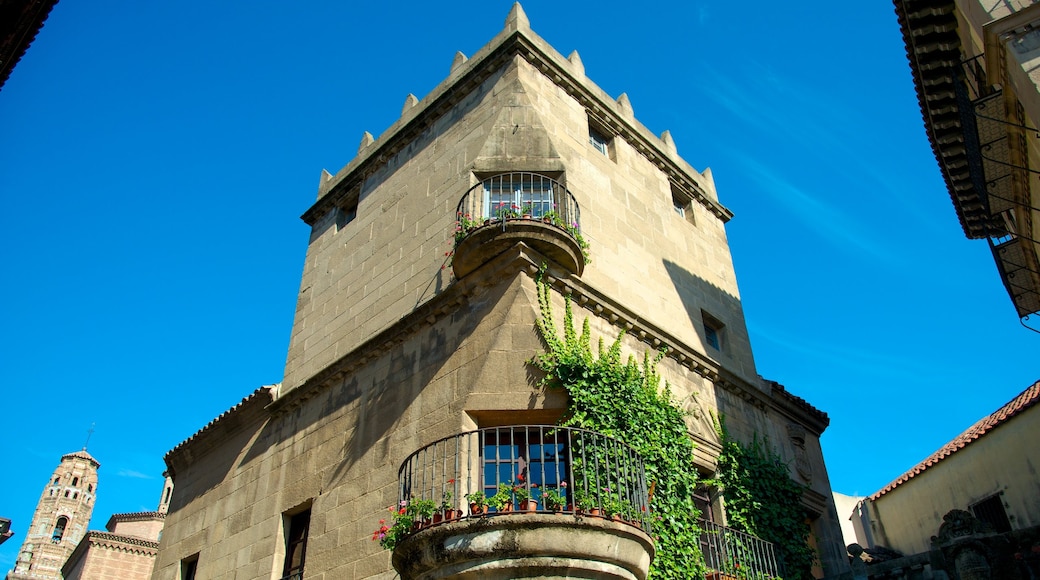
523, 501
509, 208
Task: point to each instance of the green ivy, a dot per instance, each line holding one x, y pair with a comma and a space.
624, 399
763, 500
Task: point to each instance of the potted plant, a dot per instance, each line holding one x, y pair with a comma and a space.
447, 507
403, 524
422, 510
523, 497
478, 503
553, 500
585, 503
552, 217
503, 500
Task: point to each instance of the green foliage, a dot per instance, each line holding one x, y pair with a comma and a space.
623, 399
763, 500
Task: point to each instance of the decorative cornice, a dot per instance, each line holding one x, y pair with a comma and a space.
467, 77
123, 543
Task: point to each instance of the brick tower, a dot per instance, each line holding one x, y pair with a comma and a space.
61, 518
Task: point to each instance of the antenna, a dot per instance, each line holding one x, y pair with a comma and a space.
89, 433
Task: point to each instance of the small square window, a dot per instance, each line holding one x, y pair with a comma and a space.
347, 211
601, 139
713, 331
682, 203
991, 511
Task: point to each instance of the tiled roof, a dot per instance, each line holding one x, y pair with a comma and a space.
1023, 401
263, 396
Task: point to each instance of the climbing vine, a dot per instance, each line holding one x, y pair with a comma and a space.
762, 500
624, 399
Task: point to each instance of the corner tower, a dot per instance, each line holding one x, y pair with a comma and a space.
407, 376
60, 520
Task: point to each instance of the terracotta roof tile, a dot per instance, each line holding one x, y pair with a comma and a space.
1023, 401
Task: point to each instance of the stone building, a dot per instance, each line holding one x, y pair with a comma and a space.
975, 69
126, 550
397, 351
60, 520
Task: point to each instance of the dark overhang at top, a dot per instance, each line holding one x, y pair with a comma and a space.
20, 20
937, 62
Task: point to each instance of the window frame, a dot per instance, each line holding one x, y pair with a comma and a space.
297, 526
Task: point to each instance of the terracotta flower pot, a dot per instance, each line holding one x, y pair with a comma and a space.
475, 509
529, 505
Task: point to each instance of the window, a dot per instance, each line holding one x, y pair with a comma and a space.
682, 203
601, 138
346, 213
59, 529
991, 511
713, 335
296, 545
524, 455
189, 566
75, 481
516, 194
599, 141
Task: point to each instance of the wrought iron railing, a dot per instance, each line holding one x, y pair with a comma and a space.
520, 195
559, 469
735, 553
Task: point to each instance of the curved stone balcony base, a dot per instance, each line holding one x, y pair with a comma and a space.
526, 546
490, 240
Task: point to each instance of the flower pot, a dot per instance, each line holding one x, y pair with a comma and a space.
452, 514
595, 512
529, 505
527, 216
475, 509
505, 509
438, 517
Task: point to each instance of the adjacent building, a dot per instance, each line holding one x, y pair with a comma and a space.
60, 520
982, 485
407, 371
126, 550
975, 69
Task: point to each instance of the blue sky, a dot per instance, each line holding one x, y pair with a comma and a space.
155, 159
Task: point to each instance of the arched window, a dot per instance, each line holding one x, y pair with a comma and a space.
75, 495
66, 493
59, 529
75, 481
90, 487
56, 479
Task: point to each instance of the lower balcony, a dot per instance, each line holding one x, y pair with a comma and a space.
523, 502
731, 554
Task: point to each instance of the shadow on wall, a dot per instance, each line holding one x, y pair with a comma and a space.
706, 304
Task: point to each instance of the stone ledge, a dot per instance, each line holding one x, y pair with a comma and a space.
526, 546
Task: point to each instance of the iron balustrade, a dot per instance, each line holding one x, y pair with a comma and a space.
736, 553
520, 195
595, 475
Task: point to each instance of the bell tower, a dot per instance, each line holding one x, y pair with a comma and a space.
60, 520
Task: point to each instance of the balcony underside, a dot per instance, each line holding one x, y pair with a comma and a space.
486, 242
526, 546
